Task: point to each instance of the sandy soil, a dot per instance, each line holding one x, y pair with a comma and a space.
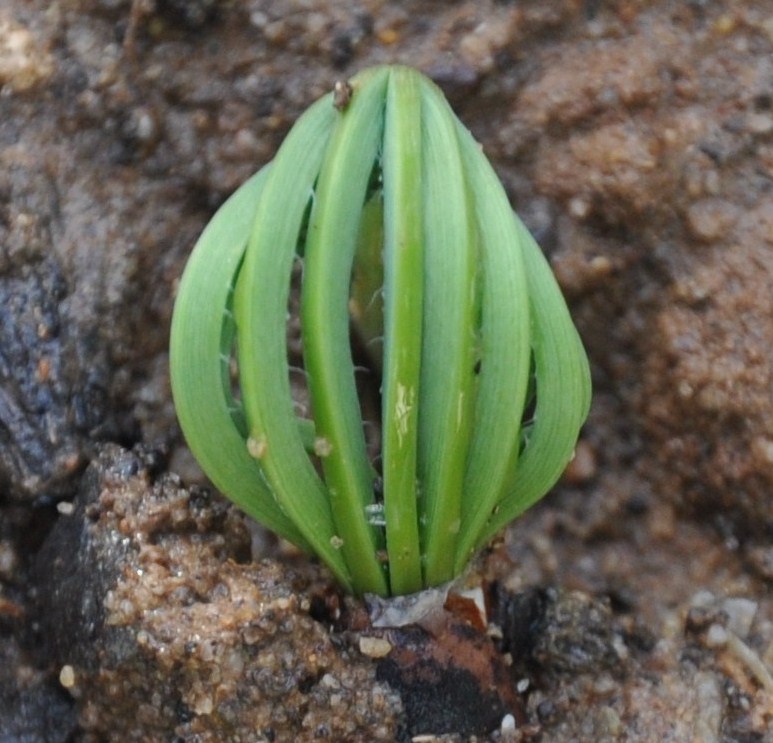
635, 139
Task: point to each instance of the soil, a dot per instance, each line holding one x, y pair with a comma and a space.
632, 604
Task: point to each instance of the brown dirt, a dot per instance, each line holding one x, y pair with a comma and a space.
636, 140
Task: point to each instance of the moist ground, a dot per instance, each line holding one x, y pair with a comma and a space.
636, 141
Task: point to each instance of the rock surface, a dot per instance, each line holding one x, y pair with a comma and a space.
635, 140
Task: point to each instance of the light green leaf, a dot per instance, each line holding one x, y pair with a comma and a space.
200, 349
403, 293
330, 247
505, 349
563, 391
261, 305
449, 343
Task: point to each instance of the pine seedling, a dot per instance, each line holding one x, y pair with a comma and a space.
406, 241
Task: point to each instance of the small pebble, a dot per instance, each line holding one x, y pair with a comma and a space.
740, 615
329, 681
762, 448
508, 725
759, 123
67, 677
703, 599
600, 265
579, 207
725, 24
375, 647
609, 722
204, 706
716, 637
710, 219
604, 685
24, 60
387, 36
9, 561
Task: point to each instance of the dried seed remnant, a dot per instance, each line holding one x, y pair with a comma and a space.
342, 94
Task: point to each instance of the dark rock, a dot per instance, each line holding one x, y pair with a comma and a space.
56, 344
80, 562
578, 635
561, 632
44, 415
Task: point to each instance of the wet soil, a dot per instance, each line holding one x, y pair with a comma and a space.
635, 139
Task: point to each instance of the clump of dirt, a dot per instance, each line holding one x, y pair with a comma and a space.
186, 635
635, 140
